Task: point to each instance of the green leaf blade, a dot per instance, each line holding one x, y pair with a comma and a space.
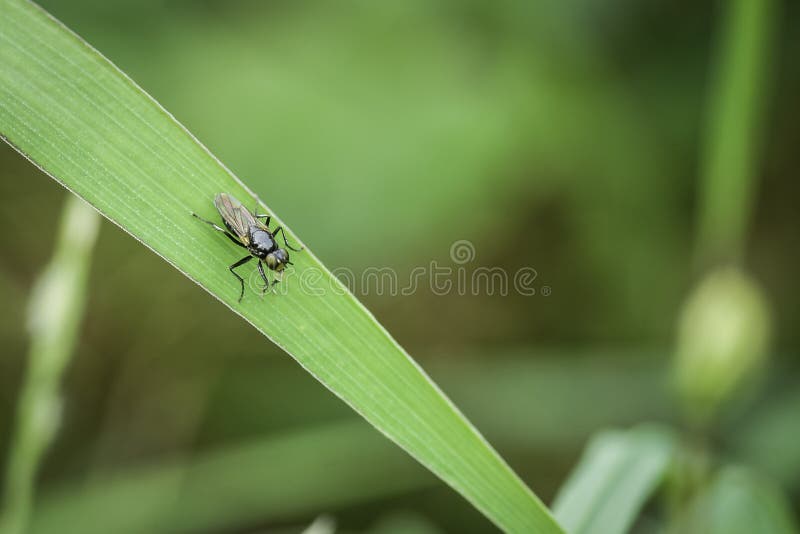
616, 475
83, 122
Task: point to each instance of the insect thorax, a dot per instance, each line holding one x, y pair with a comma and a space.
261, 242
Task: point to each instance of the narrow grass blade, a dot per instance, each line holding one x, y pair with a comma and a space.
616, 475
54, 318
83, 122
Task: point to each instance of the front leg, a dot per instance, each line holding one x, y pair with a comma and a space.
283, 234
264, 277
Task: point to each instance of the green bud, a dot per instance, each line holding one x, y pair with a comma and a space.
722, 341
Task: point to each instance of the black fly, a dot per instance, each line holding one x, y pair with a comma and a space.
247, 231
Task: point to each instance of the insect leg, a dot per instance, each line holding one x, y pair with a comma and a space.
290, 247
241, 280
263, 277
257, 216
219, 229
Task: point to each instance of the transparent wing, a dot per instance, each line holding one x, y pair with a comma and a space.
237, 218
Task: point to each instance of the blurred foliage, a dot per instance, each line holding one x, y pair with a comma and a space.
739, 501
308, 470
559, 135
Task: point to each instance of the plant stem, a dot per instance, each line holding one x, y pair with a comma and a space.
733, 132
54, 316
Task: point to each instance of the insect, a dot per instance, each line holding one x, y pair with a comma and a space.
246, 230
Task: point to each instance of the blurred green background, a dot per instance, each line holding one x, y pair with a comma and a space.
564, 136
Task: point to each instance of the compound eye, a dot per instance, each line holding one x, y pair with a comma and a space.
271, 260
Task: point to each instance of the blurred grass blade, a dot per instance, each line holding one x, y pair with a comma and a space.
91, 128
54, 317
740, 502
266, 479
322, 525
733, 137
616, 475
